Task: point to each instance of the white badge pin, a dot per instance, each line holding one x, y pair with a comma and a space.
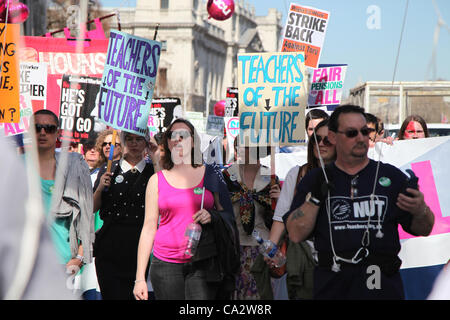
119, 179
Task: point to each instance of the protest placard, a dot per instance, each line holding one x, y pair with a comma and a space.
62, 57
215, 125
231, 127
197, 119
272, 98
128, 82
33, 83
79, 108
231, 131
232, 102
32, 95
9, 77
163, 111
305, 31
327, 85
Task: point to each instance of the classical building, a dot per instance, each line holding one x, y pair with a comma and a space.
199, 58
393, 102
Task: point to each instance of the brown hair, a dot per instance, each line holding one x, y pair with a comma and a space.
313, 162
98, 146
196, 153
414, 117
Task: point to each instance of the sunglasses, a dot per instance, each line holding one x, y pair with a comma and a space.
104, 144
351, 133
183, 134
323, 139
48, 128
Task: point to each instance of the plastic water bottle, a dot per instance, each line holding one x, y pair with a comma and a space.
270, 250
193, 232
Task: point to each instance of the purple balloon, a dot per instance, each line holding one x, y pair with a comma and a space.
220, 9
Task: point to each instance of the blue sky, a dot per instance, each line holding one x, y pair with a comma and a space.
371, 54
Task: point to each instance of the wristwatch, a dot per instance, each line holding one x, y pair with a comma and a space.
312, 200
81, 258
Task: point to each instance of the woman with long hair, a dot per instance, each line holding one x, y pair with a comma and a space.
319, 147
413, 127
185, 191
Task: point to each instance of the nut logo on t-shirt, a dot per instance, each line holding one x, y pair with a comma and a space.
341, 209
354, 214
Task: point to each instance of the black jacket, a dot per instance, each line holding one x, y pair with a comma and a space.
218, 251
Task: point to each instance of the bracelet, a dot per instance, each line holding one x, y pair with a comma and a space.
81, 258
136, 281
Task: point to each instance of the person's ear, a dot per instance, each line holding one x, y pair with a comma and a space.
332, 136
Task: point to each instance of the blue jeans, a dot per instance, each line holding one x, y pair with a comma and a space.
180, 281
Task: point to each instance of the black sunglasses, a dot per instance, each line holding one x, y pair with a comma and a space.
351, 133
104, 144
183, 134
324, 139
48, 128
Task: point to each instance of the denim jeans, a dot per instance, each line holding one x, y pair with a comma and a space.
180, 281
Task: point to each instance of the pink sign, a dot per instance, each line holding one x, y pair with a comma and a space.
62, 58
427, 185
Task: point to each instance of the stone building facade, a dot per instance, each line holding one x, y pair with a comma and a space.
199, 58
393, 102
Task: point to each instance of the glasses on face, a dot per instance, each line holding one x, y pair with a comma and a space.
183, 134
351, 133
323, 139
48, 128
104, 144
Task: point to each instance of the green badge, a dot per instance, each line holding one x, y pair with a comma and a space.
51, 188
198, 190
385, 181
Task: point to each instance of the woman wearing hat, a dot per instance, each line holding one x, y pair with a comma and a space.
120, 196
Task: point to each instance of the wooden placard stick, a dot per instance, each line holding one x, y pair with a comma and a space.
111, 151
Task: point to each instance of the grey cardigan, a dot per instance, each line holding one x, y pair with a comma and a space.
73, 199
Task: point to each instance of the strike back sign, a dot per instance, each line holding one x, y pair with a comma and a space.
305, 31
128, 82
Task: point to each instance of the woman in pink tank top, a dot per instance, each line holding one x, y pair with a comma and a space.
174, 198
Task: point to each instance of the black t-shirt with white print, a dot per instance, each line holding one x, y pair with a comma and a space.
349, 216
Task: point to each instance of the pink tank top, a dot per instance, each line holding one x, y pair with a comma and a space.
176, 208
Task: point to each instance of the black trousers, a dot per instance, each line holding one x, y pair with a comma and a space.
116, 261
